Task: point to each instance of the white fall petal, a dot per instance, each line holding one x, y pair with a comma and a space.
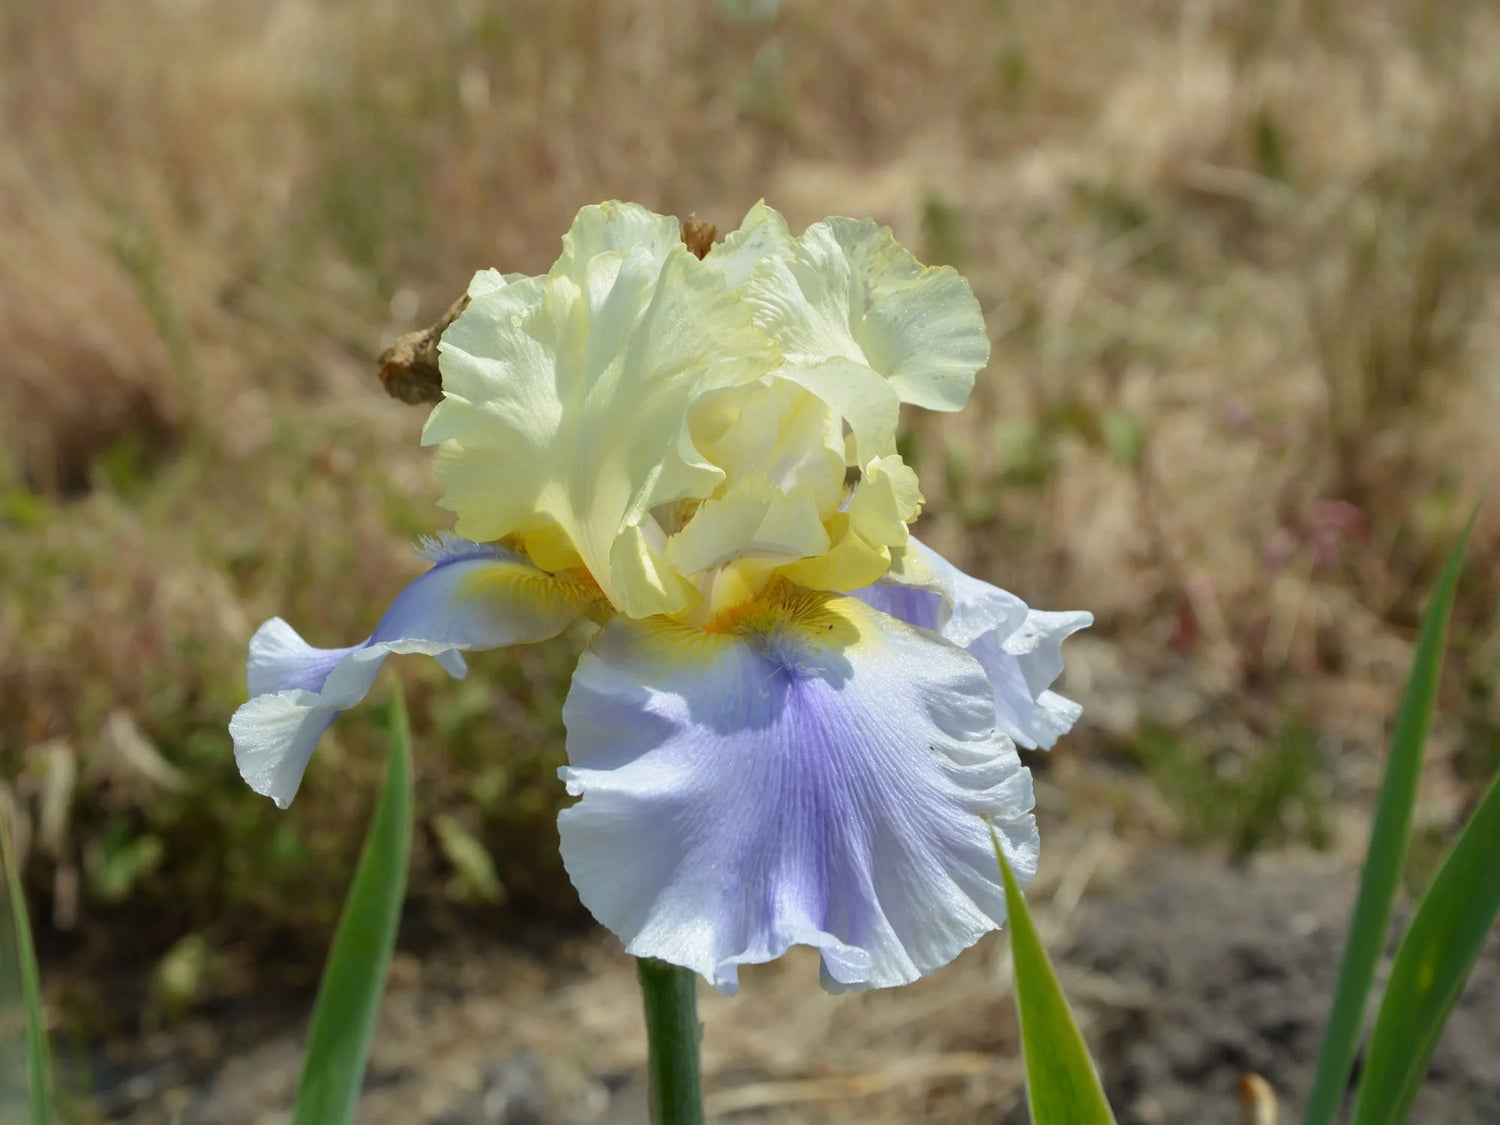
822, 775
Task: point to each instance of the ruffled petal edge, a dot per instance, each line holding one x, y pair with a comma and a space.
476, 596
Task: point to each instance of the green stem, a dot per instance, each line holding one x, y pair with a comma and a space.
672, 1032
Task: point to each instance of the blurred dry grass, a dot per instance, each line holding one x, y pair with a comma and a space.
1238, 261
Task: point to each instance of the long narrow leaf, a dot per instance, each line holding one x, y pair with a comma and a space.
38, 1059
1062, 1087
1387, 851
349, 994
1435, 958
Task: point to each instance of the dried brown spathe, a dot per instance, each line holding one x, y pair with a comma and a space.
409, 367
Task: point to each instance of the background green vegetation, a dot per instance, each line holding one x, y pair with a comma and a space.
1239, 265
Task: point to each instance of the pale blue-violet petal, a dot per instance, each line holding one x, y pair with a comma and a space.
476, 596
821, 774
1019, 648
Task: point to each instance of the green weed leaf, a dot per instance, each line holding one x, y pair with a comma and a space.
38, 1060
1387, 851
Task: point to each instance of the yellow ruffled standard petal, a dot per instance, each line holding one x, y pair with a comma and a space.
777, 429
762, 235
875, 521
615, 227
887, 499
638, 569
681, 429
753, 518
566, 419
491, 281
850, 292
860, 396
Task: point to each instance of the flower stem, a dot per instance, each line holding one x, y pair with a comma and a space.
672, 1033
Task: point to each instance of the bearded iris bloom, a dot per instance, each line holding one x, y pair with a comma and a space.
796, 724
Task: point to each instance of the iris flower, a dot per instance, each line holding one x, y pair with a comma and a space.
795, 724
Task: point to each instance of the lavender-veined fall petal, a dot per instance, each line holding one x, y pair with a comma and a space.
819, 774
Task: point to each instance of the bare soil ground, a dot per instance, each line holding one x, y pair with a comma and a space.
1211, 971
1187, 974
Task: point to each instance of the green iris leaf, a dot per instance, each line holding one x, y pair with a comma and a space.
1387, 852
1435, 958
349, 995
38, 1059
1062, 1086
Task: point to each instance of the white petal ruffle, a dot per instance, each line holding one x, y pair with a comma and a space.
1019, 648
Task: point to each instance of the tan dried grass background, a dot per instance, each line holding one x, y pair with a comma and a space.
1238, 260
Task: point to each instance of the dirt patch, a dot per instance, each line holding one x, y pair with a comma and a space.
1213, 971
1191, 976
